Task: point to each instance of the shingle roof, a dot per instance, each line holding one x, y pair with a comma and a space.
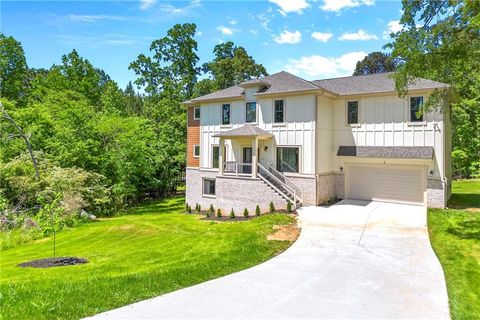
283, 82
231, 92
247, 130
373, 83
386, 152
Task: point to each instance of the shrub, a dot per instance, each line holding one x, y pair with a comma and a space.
272, 207
257, 210
245, 213
186, 206
219, 213
189, 209
212, 210
199, 208
289, 206
232, 214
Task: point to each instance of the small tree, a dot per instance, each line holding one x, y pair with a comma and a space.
232, 214
211, 210
272, 207
257, 210
199, 208
219, 213
289, 206
189, 209
245, 213
186, 206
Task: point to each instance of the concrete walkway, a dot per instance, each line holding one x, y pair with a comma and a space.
353, 260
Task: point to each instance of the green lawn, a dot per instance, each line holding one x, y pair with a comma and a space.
153, 250
455, 237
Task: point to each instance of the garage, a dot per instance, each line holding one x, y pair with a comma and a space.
382, 182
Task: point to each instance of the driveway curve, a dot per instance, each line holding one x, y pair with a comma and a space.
354, 259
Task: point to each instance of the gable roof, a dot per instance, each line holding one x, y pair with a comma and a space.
372, 83
284, 82
247, 130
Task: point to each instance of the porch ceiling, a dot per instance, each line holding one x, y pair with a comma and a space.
247, 130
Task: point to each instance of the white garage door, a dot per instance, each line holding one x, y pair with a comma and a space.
405, 184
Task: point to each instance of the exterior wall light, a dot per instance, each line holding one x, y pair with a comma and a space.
341, 168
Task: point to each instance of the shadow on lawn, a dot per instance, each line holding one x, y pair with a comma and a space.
159, 206
467, 229
464, 200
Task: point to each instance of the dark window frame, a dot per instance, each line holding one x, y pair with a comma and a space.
413, 111
218, 158
195, 155
275, 111
208, 192
229, 114
281, 167
356, 113
246, 112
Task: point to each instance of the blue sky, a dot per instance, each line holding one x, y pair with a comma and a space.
313, 39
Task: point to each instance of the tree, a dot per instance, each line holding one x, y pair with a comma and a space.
132, 101
375, 62
173, 67
232, 65
440, 40
13, 68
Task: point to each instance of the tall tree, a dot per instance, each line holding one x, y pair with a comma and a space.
173, 66
232, 65
13, 68
375, 62
440, 40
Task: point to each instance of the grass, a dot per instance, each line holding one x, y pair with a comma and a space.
153, 250
455, 237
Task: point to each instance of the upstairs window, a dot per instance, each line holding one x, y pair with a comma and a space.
251, 112
196, 113
352, 112
416, 104
196, 151
279, 111
226, 114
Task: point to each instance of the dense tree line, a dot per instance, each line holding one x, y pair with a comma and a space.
100, 148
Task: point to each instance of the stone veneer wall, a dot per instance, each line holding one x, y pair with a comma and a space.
340, 185
326, 187
437, 193
231, 192
308, 185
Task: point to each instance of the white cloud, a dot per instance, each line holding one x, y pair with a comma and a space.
253, 31
264, 21
287, 6
392, 27
288, 37
145, 4
233, 22
338, 5
359, 35
92, 18
170, 9
321, 36
318, 67
225, 30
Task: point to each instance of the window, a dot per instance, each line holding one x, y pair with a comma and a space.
287, 159
251, 112
279, 112
196, 151
226, 114
196, 113
209, 187
352, 112
216, 156
415, 105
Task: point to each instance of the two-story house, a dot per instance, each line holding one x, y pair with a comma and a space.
282, 138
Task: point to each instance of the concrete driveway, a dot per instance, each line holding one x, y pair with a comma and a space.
353, 260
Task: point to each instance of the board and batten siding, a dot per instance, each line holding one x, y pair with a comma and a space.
384, 121
298, 130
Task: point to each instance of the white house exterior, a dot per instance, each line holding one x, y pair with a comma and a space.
286, 138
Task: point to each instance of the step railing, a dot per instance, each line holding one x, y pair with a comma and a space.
287, 181
280, 186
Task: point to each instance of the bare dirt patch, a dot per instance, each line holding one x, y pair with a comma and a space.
285, 233
53, 262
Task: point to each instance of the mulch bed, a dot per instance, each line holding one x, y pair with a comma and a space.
238, 218
51, 262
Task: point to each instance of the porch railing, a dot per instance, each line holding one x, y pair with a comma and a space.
234, 168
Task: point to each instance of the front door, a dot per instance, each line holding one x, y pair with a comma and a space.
247, 158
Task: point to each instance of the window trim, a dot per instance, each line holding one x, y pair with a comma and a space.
229, 114
194, 147
194, 109
208, 195
421, 122
300, 166
212, 158
358, 123
256, 112
284, 113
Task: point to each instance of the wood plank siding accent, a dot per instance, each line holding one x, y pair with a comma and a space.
193, 138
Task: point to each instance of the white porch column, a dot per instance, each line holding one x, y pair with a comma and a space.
254, 157
221, 155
